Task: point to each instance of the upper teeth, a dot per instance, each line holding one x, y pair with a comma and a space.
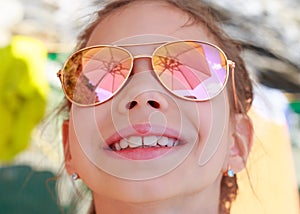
146, 141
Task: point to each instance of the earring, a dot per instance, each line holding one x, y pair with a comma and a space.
74, 176
229, 172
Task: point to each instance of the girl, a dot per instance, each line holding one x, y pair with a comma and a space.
158, 96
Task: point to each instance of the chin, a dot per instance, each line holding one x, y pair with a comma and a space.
144, 191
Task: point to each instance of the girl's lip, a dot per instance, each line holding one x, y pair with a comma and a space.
146, 153
143, 130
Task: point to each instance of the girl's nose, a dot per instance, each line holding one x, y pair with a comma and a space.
153, 99
153, 103
143, 89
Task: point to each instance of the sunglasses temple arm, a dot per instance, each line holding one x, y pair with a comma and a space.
232, 66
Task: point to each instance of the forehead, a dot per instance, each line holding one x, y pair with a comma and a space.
157, 18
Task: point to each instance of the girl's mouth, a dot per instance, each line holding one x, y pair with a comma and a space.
144, 142
144, 147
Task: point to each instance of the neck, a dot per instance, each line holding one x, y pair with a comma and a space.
205, 201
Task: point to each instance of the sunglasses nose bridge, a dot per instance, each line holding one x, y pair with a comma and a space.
141, 63
141, 56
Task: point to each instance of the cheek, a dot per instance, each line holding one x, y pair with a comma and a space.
91, 175
204, 167
82, 131
214, 138
87, 128
214, 126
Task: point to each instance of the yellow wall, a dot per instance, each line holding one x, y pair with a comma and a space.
271, 172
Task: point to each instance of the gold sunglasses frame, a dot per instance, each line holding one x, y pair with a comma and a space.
229, 64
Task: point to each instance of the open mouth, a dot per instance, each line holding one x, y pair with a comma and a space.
144, 147
144, 142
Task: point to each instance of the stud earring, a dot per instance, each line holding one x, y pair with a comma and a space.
229, 172
74, 176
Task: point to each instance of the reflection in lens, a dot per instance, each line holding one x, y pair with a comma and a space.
191, 69
93, 75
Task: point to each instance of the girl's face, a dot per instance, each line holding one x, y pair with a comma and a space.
197, 134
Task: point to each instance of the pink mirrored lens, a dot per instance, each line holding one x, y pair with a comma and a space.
191, 69
95, 74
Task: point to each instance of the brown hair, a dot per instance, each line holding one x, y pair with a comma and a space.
199, 12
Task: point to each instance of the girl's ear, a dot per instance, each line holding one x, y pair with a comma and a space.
66, 147
242, 136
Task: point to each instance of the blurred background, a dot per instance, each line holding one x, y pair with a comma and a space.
36, 36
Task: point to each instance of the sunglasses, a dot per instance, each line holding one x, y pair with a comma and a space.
190, 70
